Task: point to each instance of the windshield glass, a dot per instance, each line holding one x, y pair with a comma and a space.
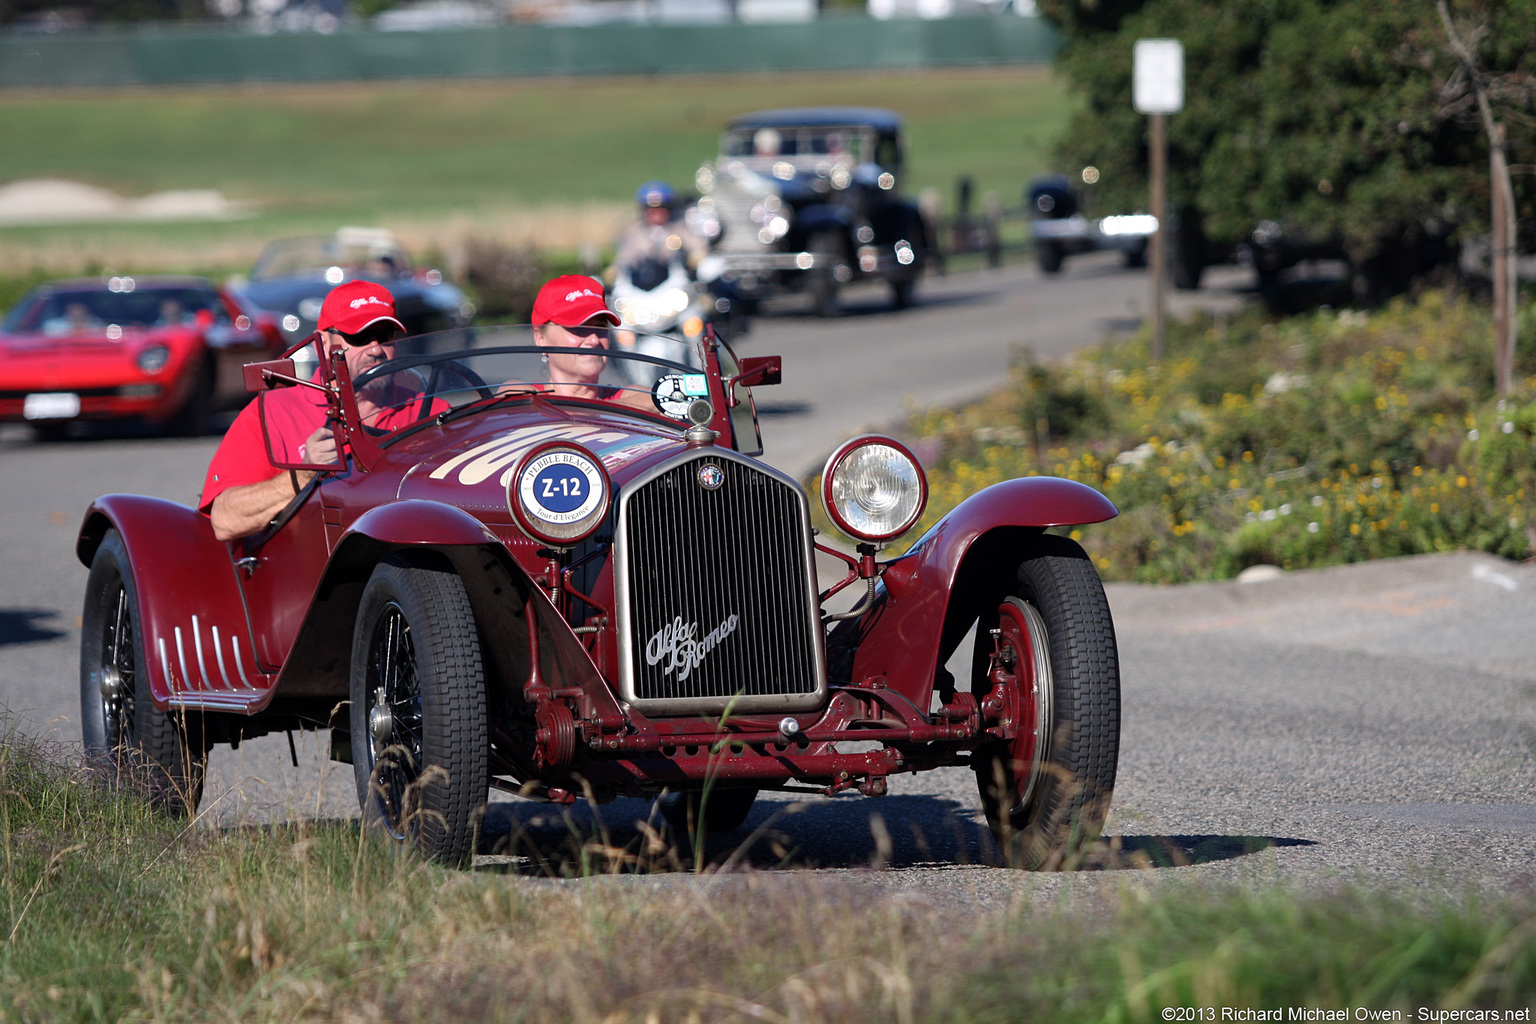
850, 143
471, 370
366, 249
90, 310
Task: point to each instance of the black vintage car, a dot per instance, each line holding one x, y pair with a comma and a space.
1061, 229
808, 200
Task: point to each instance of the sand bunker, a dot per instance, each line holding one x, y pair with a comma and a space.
57, 201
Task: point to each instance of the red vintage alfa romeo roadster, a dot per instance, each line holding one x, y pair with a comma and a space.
561, 596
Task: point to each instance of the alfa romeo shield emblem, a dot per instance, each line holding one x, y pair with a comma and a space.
711, 476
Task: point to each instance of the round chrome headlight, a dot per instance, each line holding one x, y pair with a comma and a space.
559, 494
873, 489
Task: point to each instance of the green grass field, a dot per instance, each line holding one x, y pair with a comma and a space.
549, 161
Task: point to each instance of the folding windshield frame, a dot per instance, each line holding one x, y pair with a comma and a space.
402, 363
367, 443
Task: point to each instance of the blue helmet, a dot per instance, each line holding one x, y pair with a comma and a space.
656, 193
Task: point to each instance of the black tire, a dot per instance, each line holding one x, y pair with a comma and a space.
137, 747
1046, 793
827, 247
1186, 249
1049, 255
1186, 274
723, 810
191, 420
1136, 257
423, 771
50, 431
903, 291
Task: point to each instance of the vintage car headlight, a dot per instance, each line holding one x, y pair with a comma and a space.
154, 358
1128, 224
873, 489
559, 494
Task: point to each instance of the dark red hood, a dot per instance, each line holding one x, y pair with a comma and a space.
468, 463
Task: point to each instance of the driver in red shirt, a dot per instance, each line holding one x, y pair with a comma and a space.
243, 490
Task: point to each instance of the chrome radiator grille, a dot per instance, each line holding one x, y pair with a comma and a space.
733, 206
717, 605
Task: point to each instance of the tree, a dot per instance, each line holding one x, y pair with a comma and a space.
1495, 95
99, 11
1328, 117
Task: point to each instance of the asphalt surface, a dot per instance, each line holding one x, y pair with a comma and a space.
1367, 722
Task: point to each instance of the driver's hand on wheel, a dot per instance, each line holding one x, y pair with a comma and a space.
320, 447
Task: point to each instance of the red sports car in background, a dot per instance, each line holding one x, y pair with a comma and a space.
167, 350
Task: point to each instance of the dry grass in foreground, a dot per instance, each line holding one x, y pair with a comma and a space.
112, 913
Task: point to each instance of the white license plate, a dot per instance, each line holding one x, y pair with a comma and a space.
56, 405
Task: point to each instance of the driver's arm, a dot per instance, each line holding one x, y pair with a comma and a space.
245, 509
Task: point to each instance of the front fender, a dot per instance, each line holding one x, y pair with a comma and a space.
1035, 501
925, 613
417, 522
498, 587
191, 617
320, 660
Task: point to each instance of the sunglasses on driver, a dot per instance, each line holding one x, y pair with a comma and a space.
383, 334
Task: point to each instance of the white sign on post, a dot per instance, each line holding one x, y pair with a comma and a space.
1157, 78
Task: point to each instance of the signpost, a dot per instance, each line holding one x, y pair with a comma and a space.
1157, 89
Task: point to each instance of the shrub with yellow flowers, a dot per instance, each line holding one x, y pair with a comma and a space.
1316, 440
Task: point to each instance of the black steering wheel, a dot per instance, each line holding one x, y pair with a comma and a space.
471, 378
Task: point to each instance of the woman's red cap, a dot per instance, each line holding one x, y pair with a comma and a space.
570, 300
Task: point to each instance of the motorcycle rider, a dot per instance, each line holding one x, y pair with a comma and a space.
659, 233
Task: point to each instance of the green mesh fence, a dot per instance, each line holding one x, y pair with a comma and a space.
173, 56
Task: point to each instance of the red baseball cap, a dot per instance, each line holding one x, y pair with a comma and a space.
353, 307
570, 300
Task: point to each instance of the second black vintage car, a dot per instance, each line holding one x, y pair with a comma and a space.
808, 200
1061, 229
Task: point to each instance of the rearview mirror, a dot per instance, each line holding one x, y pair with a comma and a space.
760, 370
272, 373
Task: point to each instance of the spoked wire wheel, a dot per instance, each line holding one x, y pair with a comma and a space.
418, 712
1025, 649
1046, 791
119, 676
138, 747
394, 722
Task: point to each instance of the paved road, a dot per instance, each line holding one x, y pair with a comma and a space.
1373, 721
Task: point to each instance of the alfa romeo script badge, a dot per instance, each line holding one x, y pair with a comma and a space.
711, 476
